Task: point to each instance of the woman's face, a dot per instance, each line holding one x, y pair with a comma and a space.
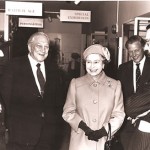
94, 64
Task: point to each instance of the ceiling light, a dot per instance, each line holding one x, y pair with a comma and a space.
77, 2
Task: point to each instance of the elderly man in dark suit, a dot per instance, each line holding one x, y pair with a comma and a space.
32, 96
133, 75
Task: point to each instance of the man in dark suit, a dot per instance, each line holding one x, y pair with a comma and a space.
127, 76
138, 110
32, 111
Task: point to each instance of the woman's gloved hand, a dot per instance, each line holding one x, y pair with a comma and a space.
97, 134
85, 128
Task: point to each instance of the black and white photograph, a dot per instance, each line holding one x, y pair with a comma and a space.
74, 75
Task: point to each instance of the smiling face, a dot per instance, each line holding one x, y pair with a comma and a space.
94, 64
38, 48
136, 51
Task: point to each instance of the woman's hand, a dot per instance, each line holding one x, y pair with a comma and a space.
97, 134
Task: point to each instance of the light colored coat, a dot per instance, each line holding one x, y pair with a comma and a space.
96, 103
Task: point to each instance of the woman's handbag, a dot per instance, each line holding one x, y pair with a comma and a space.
112, 143
108, 145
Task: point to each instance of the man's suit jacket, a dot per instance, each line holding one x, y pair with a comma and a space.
27, 113
139, 103
125, 75
129, 134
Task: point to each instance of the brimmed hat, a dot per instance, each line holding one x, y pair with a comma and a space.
97, 49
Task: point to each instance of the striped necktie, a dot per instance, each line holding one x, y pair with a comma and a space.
138, 76
40, 79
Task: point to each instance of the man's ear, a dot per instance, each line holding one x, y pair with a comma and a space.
103, 66
29, 48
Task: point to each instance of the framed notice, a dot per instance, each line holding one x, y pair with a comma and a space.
31, 22
23, 8
75, 16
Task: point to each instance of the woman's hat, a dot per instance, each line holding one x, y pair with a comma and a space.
97, 49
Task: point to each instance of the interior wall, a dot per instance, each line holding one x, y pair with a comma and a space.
130, 10
2, 22
127, 10
56, 26
71, 40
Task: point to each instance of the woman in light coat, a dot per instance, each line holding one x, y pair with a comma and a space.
93, 101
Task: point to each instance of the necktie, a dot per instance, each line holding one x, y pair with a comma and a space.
40, 78
138, 76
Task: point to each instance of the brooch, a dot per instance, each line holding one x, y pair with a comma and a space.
109, 83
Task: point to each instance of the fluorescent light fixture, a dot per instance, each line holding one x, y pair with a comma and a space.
77, 2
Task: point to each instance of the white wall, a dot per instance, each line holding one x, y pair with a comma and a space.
127, 10
61, 27
1, 21
132, 9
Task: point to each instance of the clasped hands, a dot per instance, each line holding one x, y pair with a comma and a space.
93, 135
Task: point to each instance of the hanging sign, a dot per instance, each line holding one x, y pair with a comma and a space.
75, 16
23, 8
31, 22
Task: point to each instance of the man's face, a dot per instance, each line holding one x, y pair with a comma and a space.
39, 48
136, 51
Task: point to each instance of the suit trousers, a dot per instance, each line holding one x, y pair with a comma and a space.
126, 133
139, 141
46, 141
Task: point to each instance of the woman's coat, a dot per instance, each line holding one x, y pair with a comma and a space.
96, 103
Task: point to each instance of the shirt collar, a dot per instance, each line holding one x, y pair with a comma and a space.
141, 63
34, 62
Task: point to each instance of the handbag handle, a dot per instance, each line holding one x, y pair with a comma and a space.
109, 131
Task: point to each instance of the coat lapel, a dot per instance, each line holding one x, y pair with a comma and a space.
146, 73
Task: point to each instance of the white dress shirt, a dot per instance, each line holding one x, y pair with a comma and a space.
34, 69
134, 71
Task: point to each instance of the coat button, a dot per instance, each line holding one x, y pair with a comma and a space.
39, 96
94, 101
95, 84
42, 115
94, 120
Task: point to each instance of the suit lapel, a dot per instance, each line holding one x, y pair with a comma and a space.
130, 76
30, 76
146, 73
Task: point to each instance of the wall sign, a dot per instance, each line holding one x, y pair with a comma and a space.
75, 16
23, 8
31, 22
